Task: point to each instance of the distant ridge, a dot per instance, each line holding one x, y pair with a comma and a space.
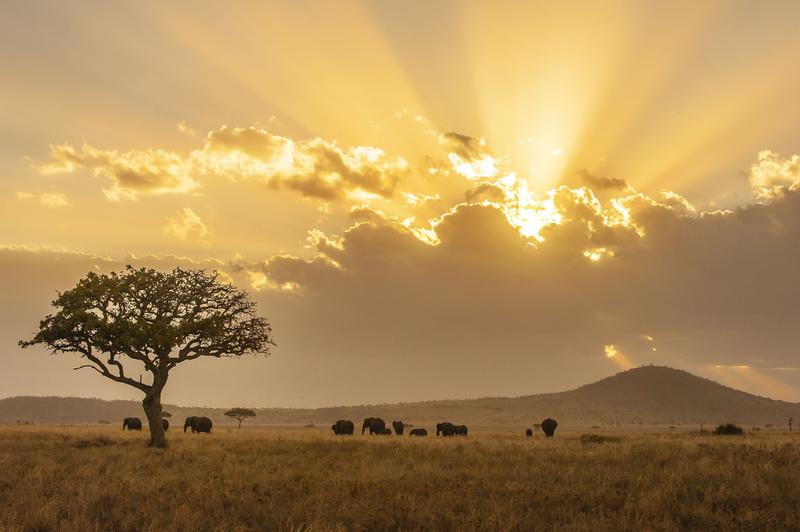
649, 395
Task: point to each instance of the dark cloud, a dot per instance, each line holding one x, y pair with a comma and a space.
487, 191
466, 147
711, 290
598, 183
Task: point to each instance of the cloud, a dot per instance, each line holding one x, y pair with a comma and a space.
187, 225
772, 175
488, 191
512, 290
423, 200
482, 309
469, 156
316, 168
186, 129
712, 287
598, 183
48, 199
133, 174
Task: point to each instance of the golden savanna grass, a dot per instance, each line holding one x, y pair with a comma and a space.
98, 478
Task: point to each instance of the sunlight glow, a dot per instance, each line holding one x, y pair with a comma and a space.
476, 169
615, 355
595, 254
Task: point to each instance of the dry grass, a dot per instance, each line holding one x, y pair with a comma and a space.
83, 479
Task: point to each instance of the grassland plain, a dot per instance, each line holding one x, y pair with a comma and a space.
98, 478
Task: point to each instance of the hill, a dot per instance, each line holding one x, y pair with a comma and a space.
648, 395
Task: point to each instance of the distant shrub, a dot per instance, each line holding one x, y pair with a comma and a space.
588, 439
595, 426
728, 429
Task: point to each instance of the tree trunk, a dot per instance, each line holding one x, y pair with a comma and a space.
240, 424
152, 409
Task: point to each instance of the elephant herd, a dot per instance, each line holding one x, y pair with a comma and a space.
197, 424
376, 425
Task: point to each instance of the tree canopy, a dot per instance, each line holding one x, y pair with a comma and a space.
148, 321
240, 414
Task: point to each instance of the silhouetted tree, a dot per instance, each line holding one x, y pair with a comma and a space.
239, 414
143, 319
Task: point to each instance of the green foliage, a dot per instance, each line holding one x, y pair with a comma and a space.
158, 319
121, 322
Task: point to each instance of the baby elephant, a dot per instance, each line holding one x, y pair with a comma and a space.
418, 432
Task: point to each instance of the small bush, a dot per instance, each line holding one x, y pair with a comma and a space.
588, 439
728, 430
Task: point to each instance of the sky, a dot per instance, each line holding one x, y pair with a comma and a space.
427, 199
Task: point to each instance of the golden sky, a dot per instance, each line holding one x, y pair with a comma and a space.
428, 199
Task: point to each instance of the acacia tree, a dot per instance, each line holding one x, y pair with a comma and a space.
239, 414
147, 321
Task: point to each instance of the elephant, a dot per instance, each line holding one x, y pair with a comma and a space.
164, 424
445, 429
386, 432
399, 427
528, 433
418, 432
132, 423
343, 427
198, 424
461, 430
549, 427
375, 425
